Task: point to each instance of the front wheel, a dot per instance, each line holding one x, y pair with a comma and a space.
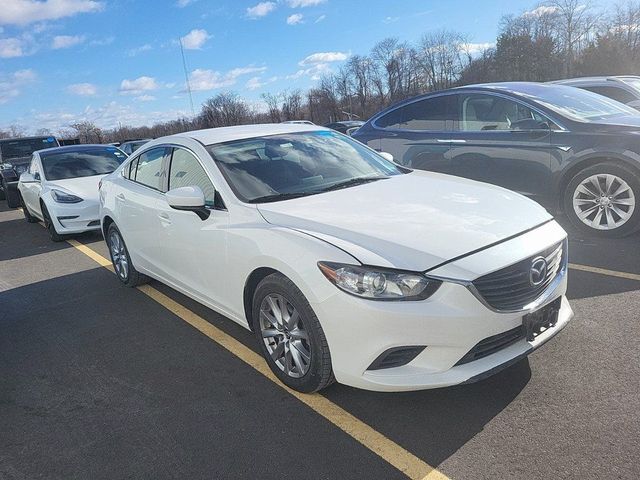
602, 200
51, 228
27, 214
12, 196
290, 335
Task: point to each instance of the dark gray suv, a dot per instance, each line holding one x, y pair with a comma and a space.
571, 150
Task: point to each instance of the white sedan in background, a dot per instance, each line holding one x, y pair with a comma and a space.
61, 187
345, 265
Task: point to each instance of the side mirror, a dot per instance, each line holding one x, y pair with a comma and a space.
189, 199
27, 177
386, 156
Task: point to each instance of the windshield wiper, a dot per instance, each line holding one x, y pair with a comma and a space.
276, 197
351, 183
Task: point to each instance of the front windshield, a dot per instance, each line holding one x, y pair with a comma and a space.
297, 164
24, 147
81, 163
580, 105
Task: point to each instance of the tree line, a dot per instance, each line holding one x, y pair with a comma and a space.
556, 39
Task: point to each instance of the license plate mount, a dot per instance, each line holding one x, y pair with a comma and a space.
535, 323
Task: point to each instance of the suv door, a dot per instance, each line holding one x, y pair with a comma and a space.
195, 257
502, 141
417, 133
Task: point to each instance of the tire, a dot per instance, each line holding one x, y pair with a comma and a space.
600, 202
307, 368
12, 196
27, 215
122, 264
2, 194
51, 228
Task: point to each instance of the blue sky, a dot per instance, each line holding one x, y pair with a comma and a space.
112, 61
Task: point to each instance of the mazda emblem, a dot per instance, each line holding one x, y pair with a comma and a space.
538, 271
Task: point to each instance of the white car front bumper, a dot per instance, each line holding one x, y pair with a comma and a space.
72, 218
449, 324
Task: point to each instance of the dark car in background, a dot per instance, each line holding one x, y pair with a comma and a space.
15, 156
572, 150
131, 146
623, 88
344, 125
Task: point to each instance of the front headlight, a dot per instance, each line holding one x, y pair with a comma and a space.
63, 197
379, 283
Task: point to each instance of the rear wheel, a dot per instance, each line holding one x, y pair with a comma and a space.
51, 228
603, 200
290, 335
122, 265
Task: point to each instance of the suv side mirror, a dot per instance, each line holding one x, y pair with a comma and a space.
189, 199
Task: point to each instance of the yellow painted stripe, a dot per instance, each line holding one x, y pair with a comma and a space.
412, 466
604, 271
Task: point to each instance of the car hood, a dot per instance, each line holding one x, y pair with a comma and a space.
84, 187
414, 221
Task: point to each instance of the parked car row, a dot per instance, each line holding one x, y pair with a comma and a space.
346, 260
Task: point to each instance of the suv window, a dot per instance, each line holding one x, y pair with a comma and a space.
483, 112
616, 93
186, 171
147, 168
428, 114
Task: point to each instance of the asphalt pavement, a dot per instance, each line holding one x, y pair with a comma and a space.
101, 381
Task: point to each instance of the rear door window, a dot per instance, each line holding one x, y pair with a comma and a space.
149, 168
430, 114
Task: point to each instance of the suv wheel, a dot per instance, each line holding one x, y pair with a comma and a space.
603, 200
290, 335
12, 196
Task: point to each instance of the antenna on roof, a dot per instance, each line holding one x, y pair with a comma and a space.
186, 76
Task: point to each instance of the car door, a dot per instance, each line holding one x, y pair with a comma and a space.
500, 140
417, 133
31, 191
195, 254
137, 193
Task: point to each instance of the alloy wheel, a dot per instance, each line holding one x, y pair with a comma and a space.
119, 255
604, 201
284, 335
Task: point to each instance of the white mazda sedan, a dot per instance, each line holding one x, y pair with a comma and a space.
61, 187
345, 265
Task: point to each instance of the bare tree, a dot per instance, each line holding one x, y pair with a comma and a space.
225, 109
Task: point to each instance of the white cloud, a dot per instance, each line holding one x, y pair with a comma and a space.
304, 3
201, 80
23, 12
294, 19
184, 3
11, 48
132, 52
145, 98
261, 9
82, 89
477, 48
66, 41
255, 83
541, 11
139, 85
320, 18
388, 20
195, 39
11, 84
323, 57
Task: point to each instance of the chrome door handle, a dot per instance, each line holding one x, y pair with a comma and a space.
164, 218
458, 141
450, 140
440, 140
120, 196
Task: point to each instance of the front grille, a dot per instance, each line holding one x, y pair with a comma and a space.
511, 289
492, 344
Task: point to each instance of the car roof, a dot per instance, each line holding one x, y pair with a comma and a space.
75, 148
516, 88
226, 134
36, 137
586, 80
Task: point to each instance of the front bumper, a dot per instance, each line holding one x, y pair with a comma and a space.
449, 323
75, 217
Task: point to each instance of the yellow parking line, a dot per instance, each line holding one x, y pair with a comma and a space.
604, 271
387, 449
